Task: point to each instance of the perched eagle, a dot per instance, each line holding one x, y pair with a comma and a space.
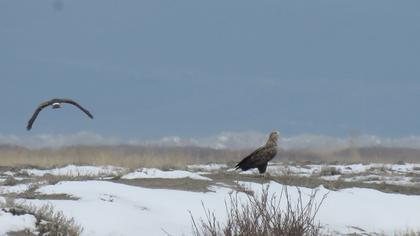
55, 103
260, 157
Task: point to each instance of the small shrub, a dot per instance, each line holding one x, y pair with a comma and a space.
328, 171
262, 215
48, 220
10, 181
53, 222
400, 162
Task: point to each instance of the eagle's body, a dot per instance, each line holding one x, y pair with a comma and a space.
260, 157
55, 103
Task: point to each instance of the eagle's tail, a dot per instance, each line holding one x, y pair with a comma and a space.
243, 165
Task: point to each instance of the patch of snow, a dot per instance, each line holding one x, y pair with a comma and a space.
107, 208
20, 188
73, 170
153, 173
9, 222
331, 177
9, 173
305, 171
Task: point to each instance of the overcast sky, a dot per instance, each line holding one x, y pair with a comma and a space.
152, 68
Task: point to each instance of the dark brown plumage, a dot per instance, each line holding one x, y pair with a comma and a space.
260, 157
55, 103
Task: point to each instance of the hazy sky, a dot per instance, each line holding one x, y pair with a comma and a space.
195, 68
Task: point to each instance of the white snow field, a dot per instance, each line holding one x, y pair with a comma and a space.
109, 208
11, 223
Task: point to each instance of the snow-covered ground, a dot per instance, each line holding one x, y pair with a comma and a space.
394, 174
109, 208
19, 188
11, 223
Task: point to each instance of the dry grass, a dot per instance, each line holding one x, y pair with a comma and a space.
124, 156
408, 233
180, 157
354, 155
262, 215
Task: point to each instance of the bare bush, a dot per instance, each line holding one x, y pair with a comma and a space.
54, 222
263, 215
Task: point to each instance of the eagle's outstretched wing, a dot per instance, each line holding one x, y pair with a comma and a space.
65, 100
36, 112
52, 101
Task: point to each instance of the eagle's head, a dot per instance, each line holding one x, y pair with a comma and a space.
274, 136
56, 105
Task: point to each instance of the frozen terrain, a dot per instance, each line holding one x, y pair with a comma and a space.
141, 206
392, 174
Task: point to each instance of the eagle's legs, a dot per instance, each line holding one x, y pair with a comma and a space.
267, 175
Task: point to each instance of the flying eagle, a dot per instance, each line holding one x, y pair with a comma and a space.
55, 103
260, 157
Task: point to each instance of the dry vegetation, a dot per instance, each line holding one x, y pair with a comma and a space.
48, 220
180, 157
262, 215
354, 155
408, 233
124, 156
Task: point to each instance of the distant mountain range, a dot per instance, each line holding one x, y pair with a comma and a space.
224, 140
